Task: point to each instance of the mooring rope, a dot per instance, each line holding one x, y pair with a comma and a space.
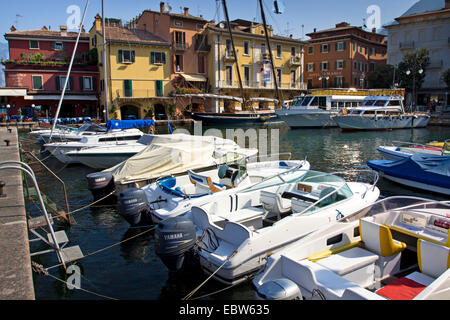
39, 269
109, 247
201, 285
91, 204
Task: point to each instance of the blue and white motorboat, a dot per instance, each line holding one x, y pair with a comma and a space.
405, 149
421, 171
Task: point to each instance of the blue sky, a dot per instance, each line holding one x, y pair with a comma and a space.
320, 14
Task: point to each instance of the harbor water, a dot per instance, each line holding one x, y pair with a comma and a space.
120, 262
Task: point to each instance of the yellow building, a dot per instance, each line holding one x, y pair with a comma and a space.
254, 63
138, 71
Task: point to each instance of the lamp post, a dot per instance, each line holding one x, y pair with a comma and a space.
414, 71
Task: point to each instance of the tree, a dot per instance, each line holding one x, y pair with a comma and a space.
409, 69
381, 77
446, 77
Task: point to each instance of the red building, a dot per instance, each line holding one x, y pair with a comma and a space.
37, 68
342, 57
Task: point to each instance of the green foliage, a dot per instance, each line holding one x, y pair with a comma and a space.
446, 77
172, 109
382, 77
413, 62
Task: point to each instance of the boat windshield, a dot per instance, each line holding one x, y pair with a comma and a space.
297, 101
381, 103
306, 101
317, 180
368, 103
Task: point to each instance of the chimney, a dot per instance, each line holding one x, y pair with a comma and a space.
315, 29
13, 29
186, 11
161, 7
63, 28
44, 28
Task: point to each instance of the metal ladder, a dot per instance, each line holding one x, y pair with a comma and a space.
56, 241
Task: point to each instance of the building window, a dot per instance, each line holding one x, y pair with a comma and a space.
293, 78
355, 46
310, 50
159, 88
61, 81
86, 84
293, 52
310, 67
324, 66
157, 58
229, 75
361, 68
355, 65
309, 84
228, 48
279, 72
34, 44
339, 82
179, 63
128, 88
94, 41
372, 67
263, 48
179, 39
278, 51
178, 23
339, 64
246, 48
324, 48
373, 51
37, 82
247, 76
58, 46
126, 56
340, 46
201, 64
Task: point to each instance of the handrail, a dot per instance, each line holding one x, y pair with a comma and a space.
57, 178
30, 172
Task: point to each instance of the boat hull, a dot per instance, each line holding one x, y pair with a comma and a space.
350, 122
307, 119
232, 118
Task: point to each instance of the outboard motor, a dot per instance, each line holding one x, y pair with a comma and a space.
279, 289
134, 208
100, 184
174, 240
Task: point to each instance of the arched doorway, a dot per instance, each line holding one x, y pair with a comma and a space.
129, 112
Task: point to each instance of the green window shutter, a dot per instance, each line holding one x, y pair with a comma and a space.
70, 83
159, 88
128, 88
152, 57
120, 57
81, 84
163, 57
94, 83
58, 83
132, 56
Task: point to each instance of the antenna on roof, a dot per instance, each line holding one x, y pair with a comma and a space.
16, 22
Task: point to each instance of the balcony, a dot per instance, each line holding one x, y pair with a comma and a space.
406, 45
180, 46
435, 64
260, 58
201, 44
229, 56
296, 61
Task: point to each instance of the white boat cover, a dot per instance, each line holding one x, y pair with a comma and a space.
169, 156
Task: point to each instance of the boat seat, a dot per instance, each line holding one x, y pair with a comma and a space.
205, 182
433, 260
274, 203
356, 265
378, 239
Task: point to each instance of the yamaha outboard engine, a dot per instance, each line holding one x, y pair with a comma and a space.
174, 240
100, 184
134, 208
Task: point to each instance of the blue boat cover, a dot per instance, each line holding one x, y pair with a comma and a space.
128, 124
428, 169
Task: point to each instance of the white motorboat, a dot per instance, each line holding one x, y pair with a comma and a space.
315, 110
175, 196
164, 156
381, 113
395, 249
234, 234
67, 134
406, 149
111, 139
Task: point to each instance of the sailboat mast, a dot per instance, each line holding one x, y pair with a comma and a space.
234, 52
105, 72
277, 91
69, 70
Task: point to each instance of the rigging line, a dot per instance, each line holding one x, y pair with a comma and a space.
108, 247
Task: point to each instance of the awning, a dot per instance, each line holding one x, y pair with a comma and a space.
8, 92
57, 97
194, 77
